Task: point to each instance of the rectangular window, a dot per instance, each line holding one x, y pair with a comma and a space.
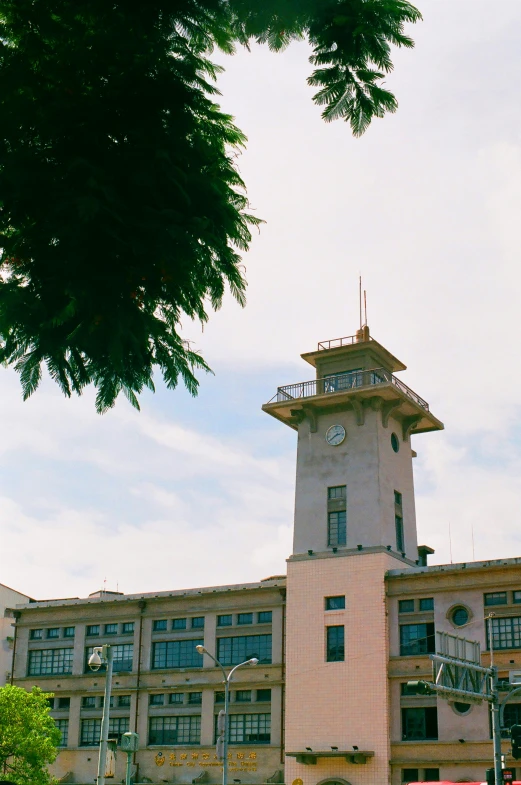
250, 728
427, 604
68, 632
516, 596
179, 624
405, 606
336, 603
245, 618
117, 727
93, 629
91, 730
410, 775
225, 620
88, 702
264, 617
174, 730
36, 635
432, 775
177, 654
159, 625
195, 698
511, 715
495, 598
263, 696
176, 697
50, 662
53, 632
123, 701
90, 733
506, 632
157, 700
219, 697
111, 629
198, 622
64, 703
243, 696
335, 643
398, 498
63, 727
232, 651
337, 492
127, 628
420, 723
337, 528
417, 639
400, 542
122, 656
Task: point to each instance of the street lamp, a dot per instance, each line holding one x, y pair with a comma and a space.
227, 680
102, 655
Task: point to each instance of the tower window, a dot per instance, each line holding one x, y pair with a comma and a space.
398, 522
335, 644
395, 444
336, 492
337, 528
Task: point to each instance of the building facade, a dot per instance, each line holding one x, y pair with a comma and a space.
9, 599
337, 639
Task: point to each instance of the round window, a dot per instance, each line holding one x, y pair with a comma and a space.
459, 616
461, 708
395, 444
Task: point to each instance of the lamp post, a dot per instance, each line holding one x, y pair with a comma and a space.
102, 655
227, 679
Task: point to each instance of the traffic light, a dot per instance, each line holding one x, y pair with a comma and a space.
515, 735
421, 688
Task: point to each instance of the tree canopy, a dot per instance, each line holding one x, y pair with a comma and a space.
121, 207
28, 736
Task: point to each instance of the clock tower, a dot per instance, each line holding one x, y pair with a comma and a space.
354, 520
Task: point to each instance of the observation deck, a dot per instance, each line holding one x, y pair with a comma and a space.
371, 384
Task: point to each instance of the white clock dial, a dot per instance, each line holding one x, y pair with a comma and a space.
335, 435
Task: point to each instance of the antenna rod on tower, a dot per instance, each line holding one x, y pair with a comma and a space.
360, 298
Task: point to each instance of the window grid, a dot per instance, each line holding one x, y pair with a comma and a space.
179, 624
159, 625
264, 695
245, 618
177, 654
44, 662
36, 635
127, 628
88, 702
195, 698
427, 604
68, 632
420, 723
225, 620
174, 730
53, 632
232, 651
516, 596
243, 696
405, 606
198, 622
93, 629
250, 728
176, 697
123, 701
157, 700
337, 527
264, 617
91, 730
495, 598
335, 643
63, 727
506, 632
336, 492
122, 657
417, 639
111, 629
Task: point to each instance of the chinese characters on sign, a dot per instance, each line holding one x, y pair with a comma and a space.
237, 761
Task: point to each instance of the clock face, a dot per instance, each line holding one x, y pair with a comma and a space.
335, 435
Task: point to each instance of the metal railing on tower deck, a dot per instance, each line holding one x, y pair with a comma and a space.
342, 382
348, 340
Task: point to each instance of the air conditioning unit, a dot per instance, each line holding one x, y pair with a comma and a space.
514, 677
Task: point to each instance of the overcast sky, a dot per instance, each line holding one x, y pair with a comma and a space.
426, 206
